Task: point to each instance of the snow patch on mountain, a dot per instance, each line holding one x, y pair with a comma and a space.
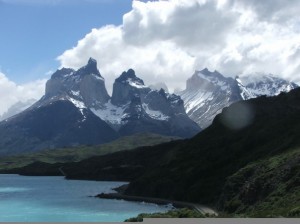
80, 105
155, 114
97, 77
75, 93
195, 99
136, 84
110, 113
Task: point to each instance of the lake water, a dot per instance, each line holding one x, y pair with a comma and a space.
54, 199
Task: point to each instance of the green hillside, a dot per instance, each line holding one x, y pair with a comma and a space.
82, 152
267, 188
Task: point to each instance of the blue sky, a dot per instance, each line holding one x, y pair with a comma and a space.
34, 32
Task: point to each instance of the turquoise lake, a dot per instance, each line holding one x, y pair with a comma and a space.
54, 199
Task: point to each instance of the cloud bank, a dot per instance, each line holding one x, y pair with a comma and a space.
11, 93
166, 40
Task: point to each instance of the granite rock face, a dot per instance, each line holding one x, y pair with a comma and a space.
135, 107
206, 94
86, 84
126, 87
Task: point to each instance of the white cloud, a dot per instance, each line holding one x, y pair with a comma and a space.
165, 41
11, 93
160, 60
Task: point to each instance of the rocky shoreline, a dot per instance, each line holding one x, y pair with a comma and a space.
177, 204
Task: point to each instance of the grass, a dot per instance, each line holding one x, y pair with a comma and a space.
175, 213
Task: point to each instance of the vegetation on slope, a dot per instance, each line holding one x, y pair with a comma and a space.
65, 155
199, 168
266, 188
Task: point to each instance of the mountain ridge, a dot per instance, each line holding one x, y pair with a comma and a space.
77, 110
207, 93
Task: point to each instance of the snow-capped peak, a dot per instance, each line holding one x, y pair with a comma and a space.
255, 78
207, 93
258, 84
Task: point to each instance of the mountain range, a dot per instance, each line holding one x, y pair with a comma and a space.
77, 110
207, 93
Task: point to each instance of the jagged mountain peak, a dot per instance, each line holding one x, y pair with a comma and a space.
90, 69
206, 94
206, 74
204, 71
91, 64
162, 92
126, 87
92, 61
206, 80
130, 78
129, 74
85, 85
62, 73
